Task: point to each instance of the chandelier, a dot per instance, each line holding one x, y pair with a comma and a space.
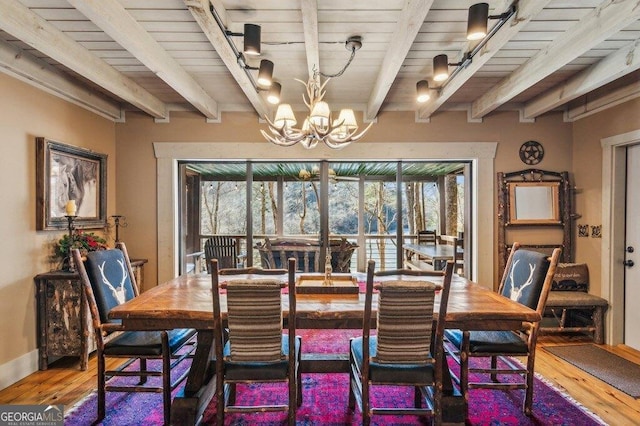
318, 126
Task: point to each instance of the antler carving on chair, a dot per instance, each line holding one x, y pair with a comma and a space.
517, 292
117, 292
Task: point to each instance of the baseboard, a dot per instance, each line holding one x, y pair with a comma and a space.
18, 368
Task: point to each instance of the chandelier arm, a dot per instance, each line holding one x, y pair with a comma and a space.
278, 141
361, 134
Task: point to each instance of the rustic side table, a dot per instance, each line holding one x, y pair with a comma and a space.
64, 321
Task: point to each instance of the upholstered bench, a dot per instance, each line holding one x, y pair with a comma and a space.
570, 308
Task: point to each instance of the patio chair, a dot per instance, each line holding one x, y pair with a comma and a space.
225, 249
108, 280
527, 279
406, 351
256, 350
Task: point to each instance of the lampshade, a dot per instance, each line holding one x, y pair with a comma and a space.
422, 89
284, 116
440, 68
347, 118
320, 114
477, 22
251, 39
265, 73
273, 96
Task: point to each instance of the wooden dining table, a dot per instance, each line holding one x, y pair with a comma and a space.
186, 302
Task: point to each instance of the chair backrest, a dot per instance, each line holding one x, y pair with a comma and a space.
223, 248
108, 277
406, 318
428, 236
458, 253
254, 312
528, 276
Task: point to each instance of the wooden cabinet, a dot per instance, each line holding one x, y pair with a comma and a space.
64, 321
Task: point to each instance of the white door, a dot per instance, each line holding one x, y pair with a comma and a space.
632, 247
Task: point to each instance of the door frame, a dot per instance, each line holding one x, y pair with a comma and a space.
614, 172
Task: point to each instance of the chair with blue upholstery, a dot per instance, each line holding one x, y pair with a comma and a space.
108, 281
527, 279
250, 346
406, 350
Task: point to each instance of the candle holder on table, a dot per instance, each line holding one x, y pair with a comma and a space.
67, 263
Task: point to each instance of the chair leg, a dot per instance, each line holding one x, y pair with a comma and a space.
417, 397
464, 366
528, 397
101, 386
366, 405
494, 365
166, 387
143, 367
352, 381
220, 395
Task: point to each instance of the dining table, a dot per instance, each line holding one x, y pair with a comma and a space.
186, 302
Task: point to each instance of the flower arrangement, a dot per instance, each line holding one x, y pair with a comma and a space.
83, 241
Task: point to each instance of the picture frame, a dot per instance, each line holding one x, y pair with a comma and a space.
63, 173
534, 203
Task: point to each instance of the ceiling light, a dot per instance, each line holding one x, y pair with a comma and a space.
422, 89
274, 93
265, 73
251, 39
477, 21
440, 68
318, 125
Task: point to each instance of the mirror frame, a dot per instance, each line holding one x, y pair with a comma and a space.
551, 214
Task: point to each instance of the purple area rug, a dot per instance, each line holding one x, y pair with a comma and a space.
325, 401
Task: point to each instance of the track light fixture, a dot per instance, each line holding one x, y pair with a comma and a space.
478, 17
251, 48
476, 30
274, 93
423, 91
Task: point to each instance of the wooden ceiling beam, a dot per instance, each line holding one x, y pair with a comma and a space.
200, 11
411, 19
614, 66
38, 73
111, 17
309, 9
527, 9
30, 28
601, 23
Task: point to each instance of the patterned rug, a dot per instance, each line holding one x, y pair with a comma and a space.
325, 401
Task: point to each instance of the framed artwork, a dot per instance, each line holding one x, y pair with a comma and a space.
67, 173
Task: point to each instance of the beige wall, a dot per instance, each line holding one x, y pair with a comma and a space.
587, 169
25, 113
137, 196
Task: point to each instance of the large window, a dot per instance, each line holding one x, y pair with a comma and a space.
359, 201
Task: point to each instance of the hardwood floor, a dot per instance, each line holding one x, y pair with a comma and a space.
63, 383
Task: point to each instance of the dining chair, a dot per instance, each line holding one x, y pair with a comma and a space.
407, 348
251, 346
225, 249
108, 281
527, 280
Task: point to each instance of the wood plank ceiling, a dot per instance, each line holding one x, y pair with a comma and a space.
156, 56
